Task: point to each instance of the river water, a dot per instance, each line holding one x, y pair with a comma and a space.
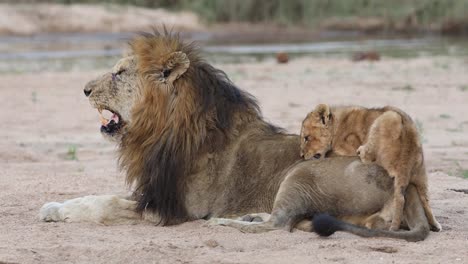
77, 52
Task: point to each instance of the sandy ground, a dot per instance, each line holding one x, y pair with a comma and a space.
44, 117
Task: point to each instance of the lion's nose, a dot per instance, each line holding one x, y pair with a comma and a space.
87, 90
317, 156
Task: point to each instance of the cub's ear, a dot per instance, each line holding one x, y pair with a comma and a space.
175, 65
324, 113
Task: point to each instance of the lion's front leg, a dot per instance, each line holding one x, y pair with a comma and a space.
103, 209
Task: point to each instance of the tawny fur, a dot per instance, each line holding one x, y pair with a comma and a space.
304, 193
386, 136
174, 123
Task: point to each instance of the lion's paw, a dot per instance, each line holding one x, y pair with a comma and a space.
102, 209
50, 212
260, 217
436, 227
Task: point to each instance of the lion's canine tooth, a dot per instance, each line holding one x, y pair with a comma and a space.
104, 121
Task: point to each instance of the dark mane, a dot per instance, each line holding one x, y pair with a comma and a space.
171, 129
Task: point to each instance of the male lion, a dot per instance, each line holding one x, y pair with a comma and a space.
386, 136
194, 146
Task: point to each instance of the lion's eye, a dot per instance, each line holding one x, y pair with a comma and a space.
116, 76
306, 138
166, 73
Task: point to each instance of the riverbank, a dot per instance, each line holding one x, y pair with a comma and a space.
33, 19
387, 18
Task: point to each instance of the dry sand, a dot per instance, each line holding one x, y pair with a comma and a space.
44, 116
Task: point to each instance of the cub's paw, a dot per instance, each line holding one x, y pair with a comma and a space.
365, 154
394, 227
436, 227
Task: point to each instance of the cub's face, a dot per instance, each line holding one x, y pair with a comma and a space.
316, 137
113, 95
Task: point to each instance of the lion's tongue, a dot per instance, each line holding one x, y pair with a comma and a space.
115, 117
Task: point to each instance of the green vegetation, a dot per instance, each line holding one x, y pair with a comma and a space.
34, 97
71, 153
406, 87
307, 12
444, 116
312, 11
463, 88
459, 128
459, 170
464, 174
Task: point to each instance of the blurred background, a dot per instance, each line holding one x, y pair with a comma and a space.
66, 35
290, 54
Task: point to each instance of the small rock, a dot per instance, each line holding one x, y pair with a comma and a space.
172, 246
211, 243
282, 57
366, 56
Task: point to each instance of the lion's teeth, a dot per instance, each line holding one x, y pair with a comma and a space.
104, 121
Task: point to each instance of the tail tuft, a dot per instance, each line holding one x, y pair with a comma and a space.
325, 225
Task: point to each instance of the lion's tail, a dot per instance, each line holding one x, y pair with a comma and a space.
326, 225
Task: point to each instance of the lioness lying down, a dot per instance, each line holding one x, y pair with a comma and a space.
194, 146
386, 136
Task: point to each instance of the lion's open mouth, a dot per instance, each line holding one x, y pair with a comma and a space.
111, 121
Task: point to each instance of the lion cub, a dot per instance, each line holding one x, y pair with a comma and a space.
386, 136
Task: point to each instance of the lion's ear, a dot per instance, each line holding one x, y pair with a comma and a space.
176, 64
324, 113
